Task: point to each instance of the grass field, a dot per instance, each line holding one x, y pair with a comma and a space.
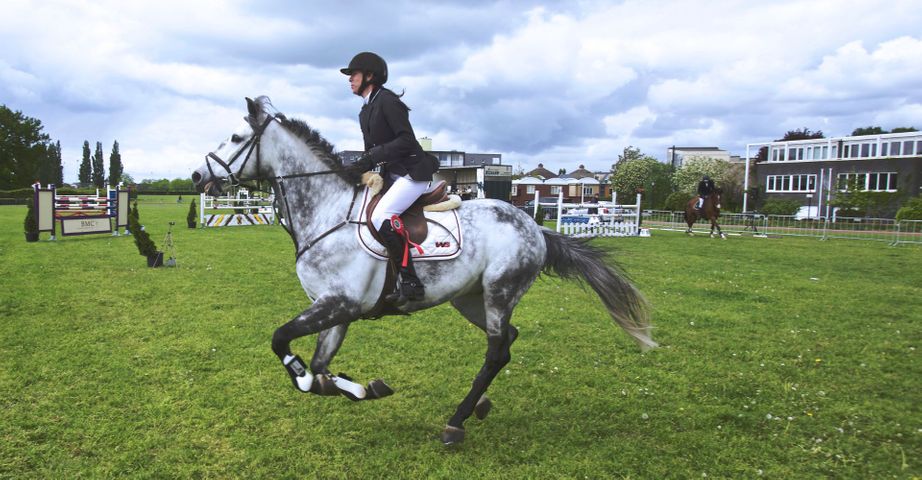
780, 358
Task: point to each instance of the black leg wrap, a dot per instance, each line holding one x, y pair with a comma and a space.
296, 368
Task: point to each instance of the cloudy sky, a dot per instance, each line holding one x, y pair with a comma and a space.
559, 83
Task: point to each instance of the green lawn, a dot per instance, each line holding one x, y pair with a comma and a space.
780, 358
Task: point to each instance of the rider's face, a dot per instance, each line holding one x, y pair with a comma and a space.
355, 82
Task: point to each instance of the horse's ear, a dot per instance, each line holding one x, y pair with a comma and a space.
252, 108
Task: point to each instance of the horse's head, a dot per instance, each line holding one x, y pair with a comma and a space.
236, 158
716, 197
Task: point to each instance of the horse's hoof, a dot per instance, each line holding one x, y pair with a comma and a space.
378, 389
483, 407
452, 435
323, 385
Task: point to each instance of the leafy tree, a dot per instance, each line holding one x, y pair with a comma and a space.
23, 149
85, 176
127, 179
776, 206
115, 165
687, 177
911, 210
857, 202
676, 201
561, 171
181, 185
904, 130
635, 172
99, 167
858, 132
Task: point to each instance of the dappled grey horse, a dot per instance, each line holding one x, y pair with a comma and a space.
504, 251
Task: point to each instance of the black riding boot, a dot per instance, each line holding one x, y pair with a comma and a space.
409, 287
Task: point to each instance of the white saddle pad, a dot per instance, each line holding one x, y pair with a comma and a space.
443, 242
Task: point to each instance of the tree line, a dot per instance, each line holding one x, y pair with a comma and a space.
28, 154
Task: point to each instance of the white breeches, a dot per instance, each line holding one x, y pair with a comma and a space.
398, 199
700, 201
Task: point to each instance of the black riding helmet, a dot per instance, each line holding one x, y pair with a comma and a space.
368, 62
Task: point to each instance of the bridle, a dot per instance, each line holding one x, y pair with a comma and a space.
251, 145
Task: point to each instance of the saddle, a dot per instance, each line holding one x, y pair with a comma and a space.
413, 219
416, 225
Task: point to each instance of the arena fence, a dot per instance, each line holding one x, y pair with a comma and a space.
884, 230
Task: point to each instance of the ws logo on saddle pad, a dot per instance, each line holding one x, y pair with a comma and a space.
443, 241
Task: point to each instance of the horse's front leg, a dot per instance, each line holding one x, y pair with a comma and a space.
325, 314
328, 343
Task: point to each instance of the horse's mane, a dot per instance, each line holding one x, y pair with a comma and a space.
319, 145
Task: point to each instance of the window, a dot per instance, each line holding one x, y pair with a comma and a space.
791, 183
873, 149
907, 147
919, 147
895, 148
865, 149
883, 149
873, 181
587, 191
555, 189
515, 190
530, 189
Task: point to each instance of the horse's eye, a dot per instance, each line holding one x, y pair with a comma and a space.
236, 138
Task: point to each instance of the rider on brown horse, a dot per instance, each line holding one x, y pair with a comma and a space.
705, 188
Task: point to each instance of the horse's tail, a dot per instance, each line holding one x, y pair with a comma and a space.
571, 259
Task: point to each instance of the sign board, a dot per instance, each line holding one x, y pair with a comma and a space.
498, 170
44, 210
121, 216
80, 226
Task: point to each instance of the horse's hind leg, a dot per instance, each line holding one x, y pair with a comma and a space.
495, 312
472, 308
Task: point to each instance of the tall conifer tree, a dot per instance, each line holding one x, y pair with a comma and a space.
86, 171
99, 167
58, 165
115, 165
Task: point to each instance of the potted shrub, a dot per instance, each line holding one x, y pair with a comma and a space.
30, 225
146, 246
193, 214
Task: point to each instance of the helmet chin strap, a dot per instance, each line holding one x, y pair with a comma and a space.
364, 85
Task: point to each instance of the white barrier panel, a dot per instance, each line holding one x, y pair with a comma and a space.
245, 210
606, 219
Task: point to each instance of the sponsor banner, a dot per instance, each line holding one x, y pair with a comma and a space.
80, 226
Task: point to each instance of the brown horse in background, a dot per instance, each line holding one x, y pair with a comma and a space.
709, 211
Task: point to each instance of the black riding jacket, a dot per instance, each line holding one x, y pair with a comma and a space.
389, 138
705, 187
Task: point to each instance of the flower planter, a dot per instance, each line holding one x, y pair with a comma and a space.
31, 236
155, 260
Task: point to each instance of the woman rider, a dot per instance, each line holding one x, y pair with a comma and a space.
391, 144
705, 187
